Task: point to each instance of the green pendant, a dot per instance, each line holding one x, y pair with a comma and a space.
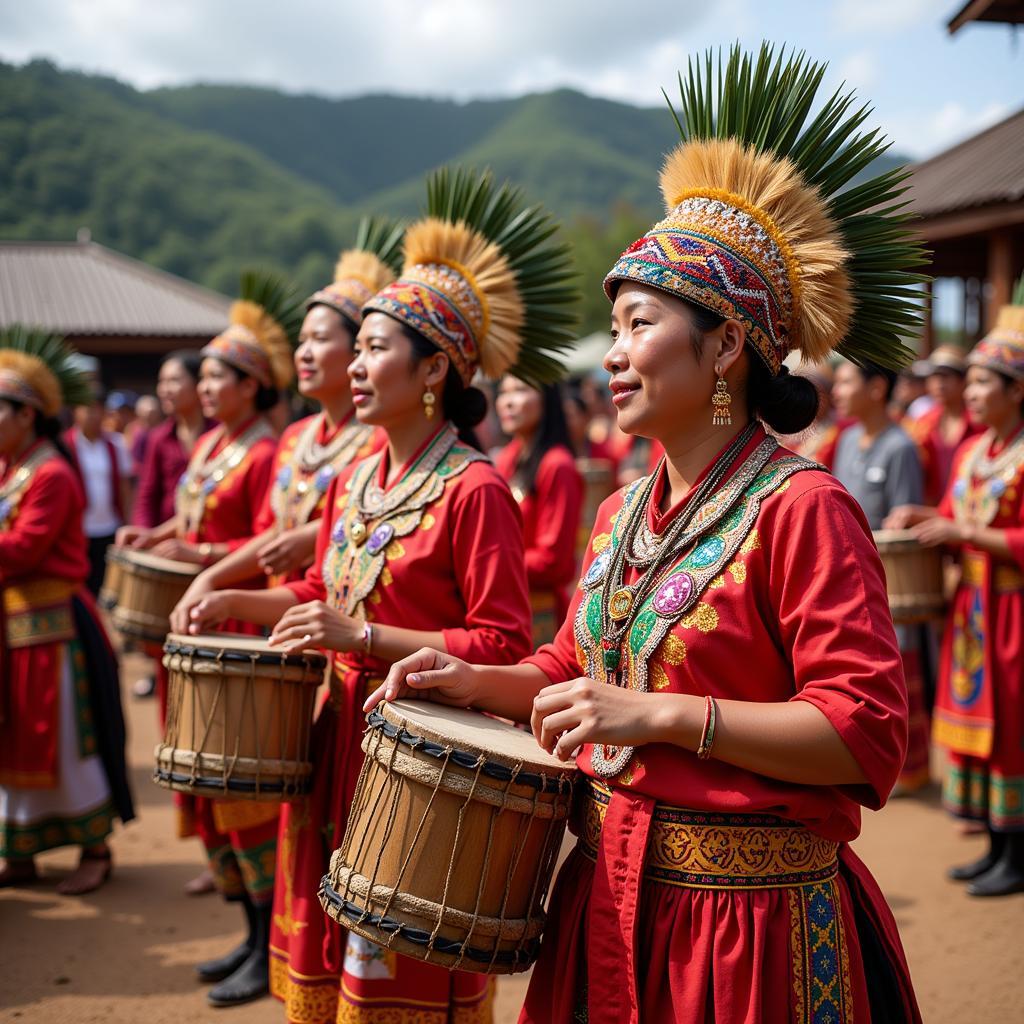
611, 657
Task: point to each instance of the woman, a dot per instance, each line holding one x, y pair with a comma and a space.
313, 450
728, 673
979, 706
421, 543
218, 496
62, 769
539, 465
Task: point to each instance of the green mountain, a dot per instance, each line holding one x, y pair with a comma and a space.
202, 180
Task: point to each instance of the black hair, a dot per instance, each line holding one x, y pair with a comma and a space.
552, 432
46, 428
266, 397
190, 360
786, 403
465, 406
1009, 381
869, 371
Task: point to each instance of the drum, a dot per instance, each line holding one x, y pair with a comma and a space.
239, 714
598, 482
913, 575
150, 587
452, 838
110, 592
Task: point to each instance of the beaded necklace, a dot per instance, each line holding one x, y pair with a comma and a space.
979, 502
14, 489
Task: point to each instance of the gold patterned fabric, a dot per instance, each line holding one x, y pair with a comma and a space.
1005, 578
39, 612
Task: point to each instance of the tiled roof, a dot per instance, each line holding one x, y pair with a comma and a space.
81, 288
985, 169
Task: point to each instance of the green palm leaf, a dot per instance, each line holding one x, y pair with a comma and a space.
277, 296
383, 237
58, 356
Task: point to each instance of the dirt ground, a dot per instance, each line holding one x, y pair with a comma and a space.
125, 954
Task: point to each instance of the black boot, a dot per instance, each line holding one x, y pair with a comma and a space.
966, 872
1006, 876
252, 978
217, 970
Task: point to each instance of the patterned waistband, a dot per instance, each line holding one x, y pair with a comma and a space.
39, 611
701, 850
1005, 578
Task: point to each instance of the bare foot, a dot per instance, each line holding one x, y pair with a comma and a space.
92, 871
18, 872
202, 884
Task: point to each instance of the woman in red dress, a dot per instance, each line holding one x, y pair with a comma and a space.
217, 500
539, 465
421, 543
979, 704
62, 768
728, 676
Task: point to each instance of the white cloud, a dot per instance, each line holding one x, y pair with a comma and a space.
882, 15
859, 70
925, 134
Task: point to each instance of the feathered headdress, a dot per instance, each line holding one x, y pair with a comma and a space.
485, 281
264, 324
37, 368
764, 226
362, 271
1002, 349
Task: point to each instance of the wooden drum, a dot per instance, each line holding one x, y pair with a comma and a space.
239, 714
149, 589
110, 592
913, 575
452, 838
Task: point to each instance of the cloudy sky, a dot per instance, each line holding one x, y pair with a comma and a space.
929, 89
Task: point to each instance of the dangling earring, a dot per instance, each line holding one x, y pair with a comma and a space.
428, 403
721, 400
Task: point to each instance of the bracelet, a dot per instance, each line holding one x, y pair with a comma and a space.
707, 735
367, 638
205, 552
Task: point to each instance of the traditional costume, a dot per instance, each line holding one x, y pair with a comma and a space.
979, 707
63, 778
439, 549
700, 891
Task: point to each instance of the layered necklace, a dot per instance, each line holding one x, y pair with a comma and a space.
979, 503
13, 489
653, 554
204, 474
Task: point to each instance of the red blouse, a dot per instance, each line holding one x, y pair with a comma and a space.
162, 467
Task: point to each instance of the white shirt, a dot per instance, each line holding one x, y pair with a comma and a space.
100, 518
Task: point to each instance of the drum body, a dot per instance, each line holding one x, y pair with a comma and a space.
452, 838
914, 577
149, 588
239, 715
110, 592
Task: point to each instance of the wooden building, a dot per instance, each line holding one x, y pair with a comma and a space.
126, 313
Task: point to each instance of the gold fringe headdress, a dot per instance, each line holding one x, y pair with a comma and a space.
370, 265
764, 224
37, 368
485, 280
1002, 349
264, 324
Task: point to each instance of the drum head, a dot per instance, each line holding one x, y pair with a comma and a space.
167, 565
210, 645
895, 538
474, 732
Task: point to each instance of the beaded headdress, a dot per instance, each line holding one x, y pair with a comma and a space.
485, 281
362, 271
264, 323
1002, 349
37, 369
764, 224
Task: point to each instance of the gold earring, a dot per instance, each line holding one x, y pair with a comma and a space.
721, 400
428, 403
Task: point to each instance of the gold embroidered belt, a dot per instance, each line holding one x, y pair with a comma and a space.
1005, 578
703, 850
38, 611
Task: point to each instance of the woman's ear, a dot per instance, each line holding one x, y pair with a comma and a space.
729, 339
437, 369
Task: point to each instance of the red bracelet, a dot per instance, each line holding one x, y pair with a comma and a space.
707, 734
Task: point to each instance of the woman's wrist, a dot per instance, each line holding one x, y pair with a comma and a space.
677, 718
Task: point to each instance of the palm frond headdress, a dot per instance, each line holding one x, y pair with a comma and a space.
1002, 349
37, 368
362, 271
485, 280
264, 324
763, 224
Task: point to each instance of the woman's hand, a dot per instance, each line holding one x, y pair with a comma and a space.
181, 617
427, 675
132, 537
902, 517
210, 611
178, 551
933, 532
567, 715
317, 624
285, 553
